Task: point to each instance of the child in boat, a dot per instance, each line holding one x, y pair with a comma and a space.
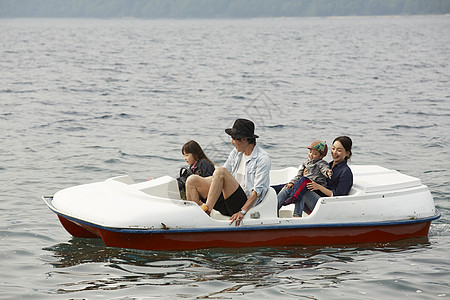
315, 169
198, 163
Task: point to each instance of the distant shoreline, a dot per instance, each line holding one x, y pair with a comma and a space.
247, 18
218, 9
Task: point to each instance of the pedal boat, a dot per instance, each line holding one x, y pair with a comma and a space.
383, 206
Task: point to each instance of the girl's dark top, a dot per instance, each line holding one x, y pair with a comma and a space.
341, 180
202, 168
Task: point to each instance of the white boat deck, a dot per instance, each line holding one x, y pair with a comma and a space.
378, 194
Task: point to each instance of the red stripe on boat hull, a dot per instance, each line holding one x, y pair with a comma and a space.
316, 236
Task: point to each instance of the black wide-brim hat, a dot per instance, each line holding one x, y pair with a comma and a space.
242, 128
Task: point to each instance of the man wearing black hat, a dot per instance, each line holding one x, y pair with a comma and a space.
241, 183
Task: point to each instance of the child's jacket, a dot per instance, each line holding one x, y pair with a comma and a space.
316, 170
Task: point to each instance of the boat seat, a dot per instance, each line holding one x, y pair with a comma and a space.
266, 209
282, 176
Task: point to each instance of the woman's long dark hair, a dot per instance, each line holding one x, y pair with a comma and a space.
194, 148
346, 143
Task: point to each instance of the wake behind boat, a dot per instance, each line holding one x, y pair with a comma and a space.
383, 205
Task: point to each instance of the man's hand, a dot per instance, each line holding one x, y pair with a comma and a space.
237, 217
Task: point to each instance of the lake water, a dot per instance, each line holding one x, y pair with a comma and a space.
84, 100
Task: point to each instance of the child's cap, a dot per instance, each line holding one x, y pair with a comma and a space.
319, 146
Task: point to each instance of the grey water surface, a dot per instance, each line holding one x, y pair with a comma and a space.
82, 100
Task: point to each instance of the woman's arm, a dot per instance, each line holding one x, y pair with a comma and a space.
314, 186
342, 188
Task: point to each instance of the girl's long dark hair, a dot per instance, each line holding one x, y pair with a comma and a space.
194, 148
346, 143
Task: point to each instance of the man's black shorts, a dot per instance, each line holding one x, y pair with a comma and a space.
232, 204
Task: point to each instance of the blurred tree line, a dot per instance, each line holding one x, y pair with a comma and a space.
217, 8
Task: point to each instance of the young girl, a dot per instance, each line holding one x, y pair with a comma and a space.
198, 163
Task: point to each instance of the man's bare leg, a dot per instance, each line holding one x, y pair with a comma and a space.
222, 182
197, 185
